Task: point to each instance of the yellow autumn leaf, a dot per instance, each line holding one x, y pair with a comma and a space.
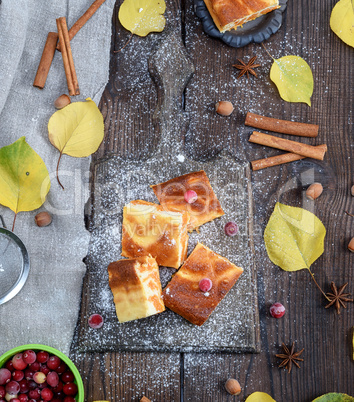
76, 130
293, 78
260, 397
294, 237
342, 21
141, 17
24, 178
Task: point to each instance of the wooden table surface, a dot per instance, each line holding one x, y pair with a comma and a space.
128, 105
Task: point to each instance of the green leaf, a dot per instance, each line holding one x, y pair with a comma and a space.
342, 21
293, 78
294, 237
334, 397
24, 178
141, 17
260, 397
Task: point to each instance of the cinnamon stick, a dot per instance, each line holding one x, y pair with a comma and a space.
281, 126
68, 61
287, 145
277, 160
83, 19
46, 60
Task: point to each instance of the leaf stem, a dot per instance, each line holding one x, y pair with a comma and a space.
319, 287
267, 51
349, 214
58, 170
130, 38
13, 224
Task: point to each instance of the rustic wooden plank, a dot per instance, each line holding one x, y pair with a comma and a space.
324, 335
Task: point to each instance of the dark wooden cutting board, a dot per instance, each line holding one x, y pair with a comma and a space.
233, 326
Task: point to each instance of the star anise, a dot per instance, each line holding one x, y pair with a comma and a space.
289, 357
246, 68
337, 297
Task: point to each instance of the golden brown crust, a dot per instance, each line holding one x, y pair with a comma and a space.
164, 236
230, 14
171, 196
183, 296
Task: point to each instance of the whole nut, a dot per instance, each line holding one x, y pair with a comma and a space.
225, 108
62, 101
352, 190
233, 387
351, 245
43, 219
314, 191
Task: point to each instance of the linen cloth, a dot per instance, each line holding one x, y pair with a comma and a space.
46, 309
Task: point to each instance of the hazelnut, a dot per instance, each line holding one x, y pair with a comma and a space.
352, 190
62, 101
351, 245
43, 219
314, 191
233, 387
224, 108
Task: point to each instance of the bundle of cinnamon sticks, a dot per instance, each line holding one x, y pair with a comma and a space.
296, 150
64, 35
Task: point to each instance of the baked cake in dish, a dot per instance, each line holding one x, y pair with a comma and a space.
183, 295
230, 14
148, 229
171, 196
136, 288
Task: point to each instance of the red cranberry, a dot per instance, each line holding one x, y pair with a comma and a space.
18, 362
9, 365
205, 285
29, 373
277, 310
32, 384
61, 368
70, 389
5, 376
24, 387
53, 362
34, 394
44, 369
95, 321
231, 229
35, 366
14, 400
46, 394
39, 377
53, 379
42, 356
190, 196
23, 398
68, 376
2, 391
29, 356
12, 387
18, 375
58, 388
69, 399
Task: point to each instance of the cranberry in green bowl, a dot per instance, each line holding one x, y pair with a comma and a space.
39, 372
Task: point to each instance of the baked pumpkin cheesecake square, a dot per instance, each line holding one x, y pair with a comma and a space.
230, 14
190, 193
148, 229
136, 287
200, 284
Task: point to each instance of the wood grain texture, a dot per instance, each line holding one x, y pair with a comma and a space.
327, 365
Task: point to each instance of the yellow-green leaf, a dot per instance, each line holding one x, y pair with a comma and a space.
334, 397
293, 78
141, 17
294, 237
24, 178
342, 21
260, 397
77, 129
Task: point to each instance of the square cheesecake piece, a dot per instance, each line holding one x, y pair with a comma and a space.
171, 196
136, 288
150, 230
183, 295
230, 14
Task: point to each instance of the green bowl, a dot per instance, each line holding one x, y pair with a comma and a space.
80, 386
